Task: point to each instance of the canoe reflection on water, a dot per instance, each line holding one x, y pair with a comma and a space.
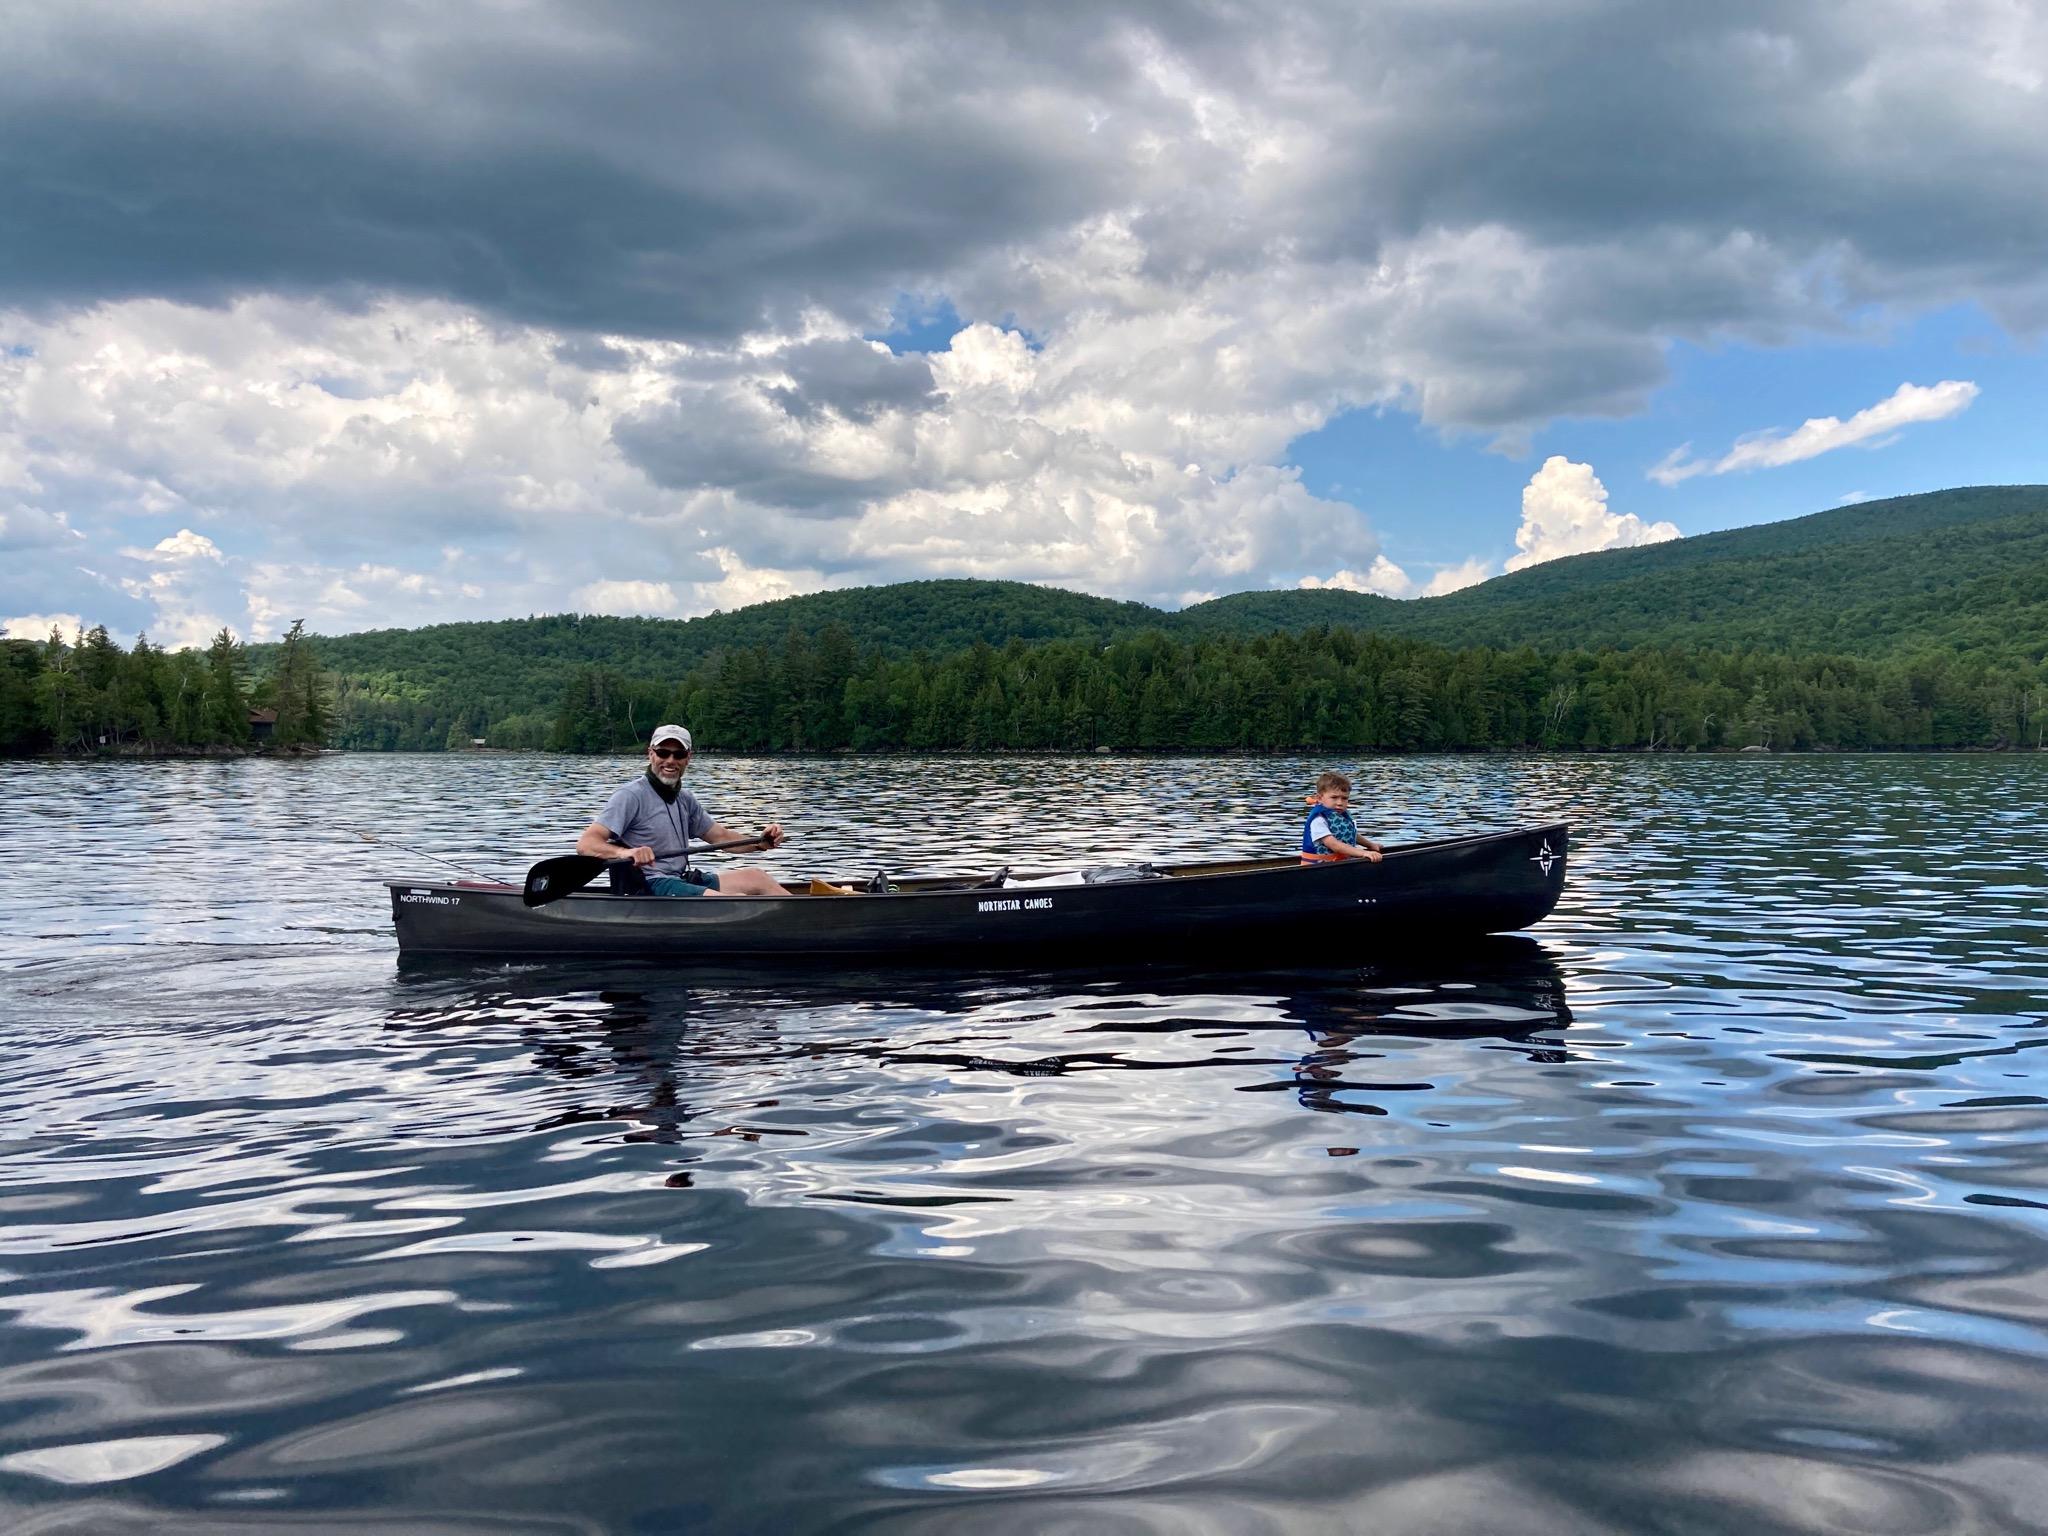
648, 1041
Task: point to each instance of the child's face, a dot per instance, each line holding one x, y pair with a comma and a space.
1334, 799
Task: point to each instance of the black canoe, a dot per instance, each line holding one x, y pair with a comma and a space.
1270, 909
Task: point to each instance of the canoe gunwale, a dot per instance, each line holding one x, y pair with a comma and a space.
961, 885
1479, 883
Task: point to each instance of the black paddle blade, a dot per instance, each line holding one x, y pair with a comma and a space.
552, 879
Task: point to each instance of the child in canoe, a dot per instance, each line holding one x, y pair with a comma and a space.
1330, 834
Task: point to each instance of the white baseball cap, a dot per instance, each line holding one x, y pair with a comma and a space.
671, 733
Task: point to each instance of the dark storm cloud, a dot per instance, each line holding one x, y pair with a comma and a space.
649, 169
642, 168
703, 439
1806, 124
593, 353
850, 378
736, 425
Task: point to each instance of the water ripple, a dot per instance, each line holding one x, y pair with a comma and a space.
1715, 1203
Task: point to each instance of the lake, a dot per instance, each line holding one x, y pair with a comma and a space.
1718, 1202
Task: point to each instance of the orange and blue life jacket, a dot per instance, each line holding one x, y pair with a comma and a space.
1342, 827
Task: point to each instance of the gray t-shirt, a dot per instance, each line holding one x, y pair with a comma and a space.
639, 818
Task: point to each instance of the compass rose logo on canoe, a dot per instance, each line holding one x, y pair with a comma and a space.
1545, 858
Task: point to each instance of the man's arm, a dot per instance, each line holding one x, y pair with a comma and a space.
597, 842
719, 832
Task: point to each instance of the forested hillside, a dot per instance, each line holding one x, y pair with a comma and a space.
1918, 622
515, 666
1896, 610
1324, 690
1958, 571
1963, 570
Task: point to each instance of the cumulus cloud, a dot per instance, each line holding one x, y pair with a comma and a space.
404, 463
180, 614
1179, 238
740, 585
179, 548
314, 444
1907, 404
185, 599
656, 598
1383, 577
365, 596
1455, 578
37, 626
1564, 512
1390, 580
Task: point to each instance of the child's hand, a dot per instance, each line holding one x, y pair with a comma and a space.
1373, 855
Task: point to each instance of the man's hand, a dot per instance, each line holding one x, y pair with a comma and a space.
641, 856
773, 834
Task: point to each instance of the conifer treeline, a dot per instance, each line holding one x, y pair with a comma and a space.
1327, 689
1323, 690
89, 695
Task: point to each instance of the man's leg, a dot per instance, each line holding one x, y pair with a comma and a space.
669, 885
747, 882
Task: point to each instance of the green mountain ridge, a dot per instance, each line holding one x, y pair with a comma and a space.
1948, 570
1915, 623
1960, 569
509, 666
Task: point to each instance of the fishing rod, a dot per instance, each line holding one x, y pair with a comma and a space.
421, 853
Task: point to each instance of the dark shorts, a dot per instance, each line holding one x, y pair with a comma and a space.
669, 885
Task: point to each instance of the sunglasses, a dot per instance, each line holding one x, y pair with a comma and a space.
666, 752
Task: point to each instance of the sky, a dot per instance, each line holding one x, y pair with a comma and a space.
400, 313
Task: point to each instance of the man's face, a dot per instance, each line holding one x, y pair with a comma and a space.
667, 760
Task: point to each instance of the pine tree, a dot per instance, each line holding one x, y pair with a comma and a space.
226, 714
21, 731
1758, 717
135, 693
63, 702
303, 711
184, 698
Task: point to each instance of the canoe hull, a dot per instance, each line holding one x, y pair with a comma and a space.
1449, 888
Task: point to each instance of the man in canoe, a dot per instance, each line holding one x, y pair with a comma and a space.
652, 818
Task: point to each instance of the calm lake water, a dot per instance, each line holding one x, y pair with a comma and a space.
1717, 1204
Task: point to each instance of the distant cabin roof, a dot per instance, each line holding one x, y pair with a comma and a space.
263, 717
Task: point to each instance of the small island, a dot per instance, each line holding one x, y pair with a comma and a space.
87, 697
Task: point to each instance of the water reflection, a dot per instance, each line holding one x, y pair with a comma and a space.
1715, 1202
639, 1029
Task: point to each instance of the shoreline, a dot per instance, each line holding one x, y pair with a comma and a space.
226, 754
140, 754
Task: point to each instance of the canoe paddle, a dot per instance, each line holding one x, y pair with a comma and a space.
552, 879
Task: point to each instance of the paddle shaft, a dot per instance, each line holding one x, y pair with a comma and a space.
737, 842
552, 879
